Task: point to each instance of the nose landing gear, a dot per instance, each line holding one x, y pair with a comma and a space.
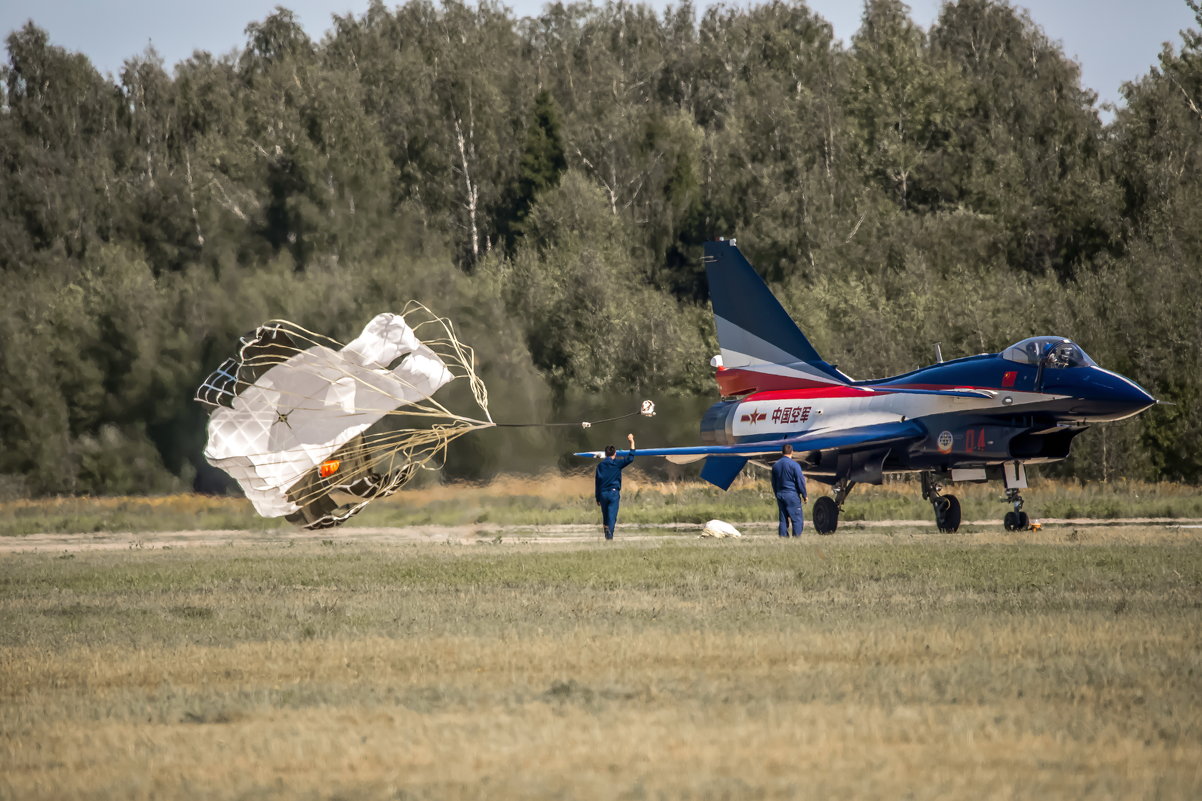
1015, 476
1018, 520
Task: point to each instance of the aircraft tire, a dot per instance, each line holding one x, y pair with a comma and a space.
1024, 522
1010, 521
947, 514
825, 515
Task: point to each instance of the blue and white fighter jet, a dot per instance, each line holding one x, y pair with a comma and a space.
968, 419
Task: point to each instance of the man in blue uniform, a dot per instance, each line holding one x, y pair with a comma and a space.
609, 485
789, 486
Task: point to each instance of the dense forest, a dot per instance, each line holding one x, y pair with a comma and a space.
547, 183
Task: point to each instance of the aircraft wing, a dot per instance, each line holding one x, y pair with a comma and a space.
845, 439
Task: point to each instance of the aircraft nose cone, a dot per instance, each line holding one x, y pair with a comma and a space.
1144, 399
1123, 397
1101, 396
1127, 391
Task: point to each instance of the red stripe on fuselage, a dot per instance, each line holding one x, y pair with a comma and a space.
813, 393
737, 381
766, 386
844, 391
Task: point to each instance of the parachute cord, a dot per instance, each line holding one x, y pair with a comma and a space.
582, 423
646, 410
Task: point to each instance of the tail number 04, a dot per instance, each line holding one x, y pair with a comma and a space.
974, 439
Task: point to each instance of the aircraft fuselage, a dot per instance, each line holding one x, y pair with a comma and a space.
976, 411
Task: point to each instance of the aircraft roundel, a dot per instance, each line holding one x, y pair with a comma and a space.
945, 442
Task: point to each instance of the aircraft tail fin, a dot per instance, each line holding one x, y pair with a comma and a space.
755, 333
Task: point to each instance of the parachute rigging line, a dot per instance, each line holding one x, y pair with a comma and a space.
647, 409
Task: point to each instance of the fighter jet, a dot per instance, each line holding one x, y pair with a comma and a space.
970, 419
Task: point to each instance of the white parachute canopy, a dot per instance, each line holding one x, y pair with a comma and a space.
292, 412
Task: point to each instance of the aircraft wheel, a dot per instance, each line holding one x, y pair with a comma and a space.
826, 515
1024, 522
1010, 521
947, 514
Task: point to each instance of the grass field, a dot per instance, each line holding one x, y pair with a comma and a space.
860, 666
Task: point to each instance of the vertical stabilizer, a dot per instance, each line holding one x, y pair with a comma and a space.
755, 333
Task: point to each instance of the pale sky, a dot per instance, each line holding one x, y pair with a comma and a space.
1113, 40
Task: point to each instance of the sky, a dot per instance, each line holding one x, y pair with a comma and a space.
1113, 40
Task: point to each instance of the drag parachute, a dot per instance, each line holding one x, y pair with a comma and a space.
313, 431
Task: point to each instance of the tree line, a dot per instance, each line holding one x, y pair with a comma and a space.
547, 182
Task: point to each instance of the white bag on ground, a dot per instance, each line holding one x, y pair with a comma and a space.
719, 529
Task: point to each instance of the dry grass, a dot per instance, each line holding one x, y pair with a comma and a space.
666, 669
558, 499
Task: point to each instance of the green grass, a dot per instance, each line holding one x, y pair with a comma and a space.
669, 668
225, 595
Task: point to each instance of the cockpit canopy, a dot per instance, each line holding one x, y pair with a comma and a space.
1055, 352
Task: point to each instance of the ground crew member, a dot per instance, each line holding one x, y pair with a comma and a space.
789, 487
609, 485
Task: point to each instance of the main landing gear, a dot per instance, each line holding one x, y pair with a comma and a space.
826, 509
1015, 476
825, 515
947, 507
